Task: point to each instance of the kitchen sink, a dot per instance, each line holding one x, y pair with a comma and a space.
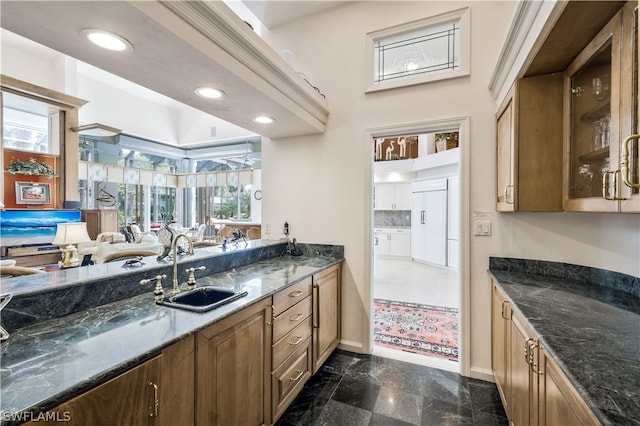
202, 299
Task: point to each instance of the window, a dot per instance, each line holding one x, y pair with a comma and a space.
431, 49
223, 202
25, 131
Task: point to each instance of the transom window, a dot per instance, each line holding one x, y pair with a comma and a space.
431, 49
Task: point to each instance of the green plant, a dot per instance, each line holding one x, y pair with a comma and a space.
31, 167
449, 135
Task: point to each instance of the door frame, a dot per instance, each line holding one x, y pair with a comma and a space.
462, 123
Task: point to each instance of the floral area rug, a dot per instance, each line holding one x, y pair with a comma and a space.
412, 327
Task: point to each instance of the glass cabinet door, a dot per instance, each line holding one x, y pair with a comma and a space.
629, 152
593, 81
590, 133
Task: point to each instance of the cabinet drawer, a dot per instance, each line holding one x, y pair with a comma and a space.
291, 295
288, 379
289, 319
290, 342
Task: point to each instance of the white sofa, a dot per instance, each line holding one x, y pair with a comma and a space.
111, 242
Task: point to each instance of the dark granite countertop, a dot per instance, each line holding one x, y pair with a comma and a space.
50, 361
589, 321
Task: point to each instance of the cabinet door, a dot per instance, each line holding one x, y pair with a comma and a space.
436, 227
402, 196
500, 317
559, 402
177, 396
326, 314
592, 92
630, 190
233, 360
522, 387
129, 399
383, 199
400, 243
381, 243
506, 154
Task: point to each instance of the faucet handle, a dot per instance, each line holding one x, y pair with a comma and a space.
191, 282
158, 291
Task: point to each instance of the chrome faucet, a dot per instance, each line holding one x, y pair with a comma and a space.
174, 248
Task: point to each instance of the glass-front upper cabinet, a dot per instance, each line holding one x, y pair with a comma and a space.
601, 97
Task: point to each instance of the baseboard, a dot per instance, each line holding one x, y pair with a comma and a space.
482, 374
350, 346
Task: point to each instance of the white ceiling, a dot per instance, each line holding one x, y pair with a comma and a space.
170, 58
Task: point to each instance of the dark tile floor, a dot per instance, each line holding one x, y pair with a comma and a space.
353, 389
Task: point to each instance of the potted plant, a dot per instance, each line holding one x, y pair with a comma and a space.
30, 168
447, 140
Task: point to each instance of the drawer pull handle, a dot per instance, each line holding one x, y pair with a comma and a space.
297, 342
296, 293
156, 400
295, 379
296, 318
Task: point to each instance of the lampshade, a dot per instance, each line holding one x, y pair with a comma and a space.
71, 233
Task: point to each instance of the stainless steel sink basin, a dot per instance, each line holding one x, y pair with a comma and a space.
202, 299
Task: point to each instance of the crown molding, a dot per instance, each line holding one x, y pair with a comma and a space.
216, 22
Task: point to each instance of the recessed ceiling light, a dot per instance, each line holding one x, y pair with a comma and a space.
209, 93
108, 40
263, 119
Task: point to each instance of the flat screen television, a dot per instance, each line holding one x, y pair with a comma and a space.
29, 227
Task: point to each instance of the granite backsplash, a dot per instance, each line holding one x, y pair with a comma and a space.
382, 218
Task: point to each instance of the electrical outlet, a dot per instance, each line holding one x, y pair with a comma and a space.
267, 229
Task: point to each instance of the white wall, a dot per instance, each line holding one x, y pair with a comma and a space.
321, 184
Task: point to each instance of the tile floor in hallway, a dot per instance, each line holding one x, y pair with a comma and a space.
407, 281
354, 389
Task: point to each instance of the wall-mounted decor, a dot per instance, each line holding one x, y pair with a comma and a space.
445, 141
398, 148
31, 167
33, 193
18, 227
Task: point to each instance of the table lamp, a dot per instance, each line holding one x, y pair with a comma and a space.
69, 234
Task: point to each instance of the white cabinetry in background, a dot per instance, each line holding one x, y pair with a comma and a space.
392, 196
392, 242
429, 221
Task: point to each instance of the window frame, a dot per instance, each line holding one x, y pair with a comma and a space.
462, 16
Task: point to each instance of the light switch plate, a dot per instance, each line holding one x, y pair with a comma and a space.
482, 228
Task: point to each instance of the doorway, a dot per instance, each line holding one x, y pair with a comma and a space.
417, 288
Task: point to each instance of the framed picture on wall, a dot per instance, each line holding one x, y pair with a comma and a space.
33, 193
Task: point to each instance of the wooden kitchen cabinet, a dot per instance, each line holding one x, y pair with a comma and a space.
533, 389
326, 314
291, 344
100, 220
159, 391
131, 399
601, 92
500, 326
529, 146
559, 402
233, 359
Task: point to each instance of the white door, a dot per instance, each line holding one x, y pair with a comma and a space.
435, 218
